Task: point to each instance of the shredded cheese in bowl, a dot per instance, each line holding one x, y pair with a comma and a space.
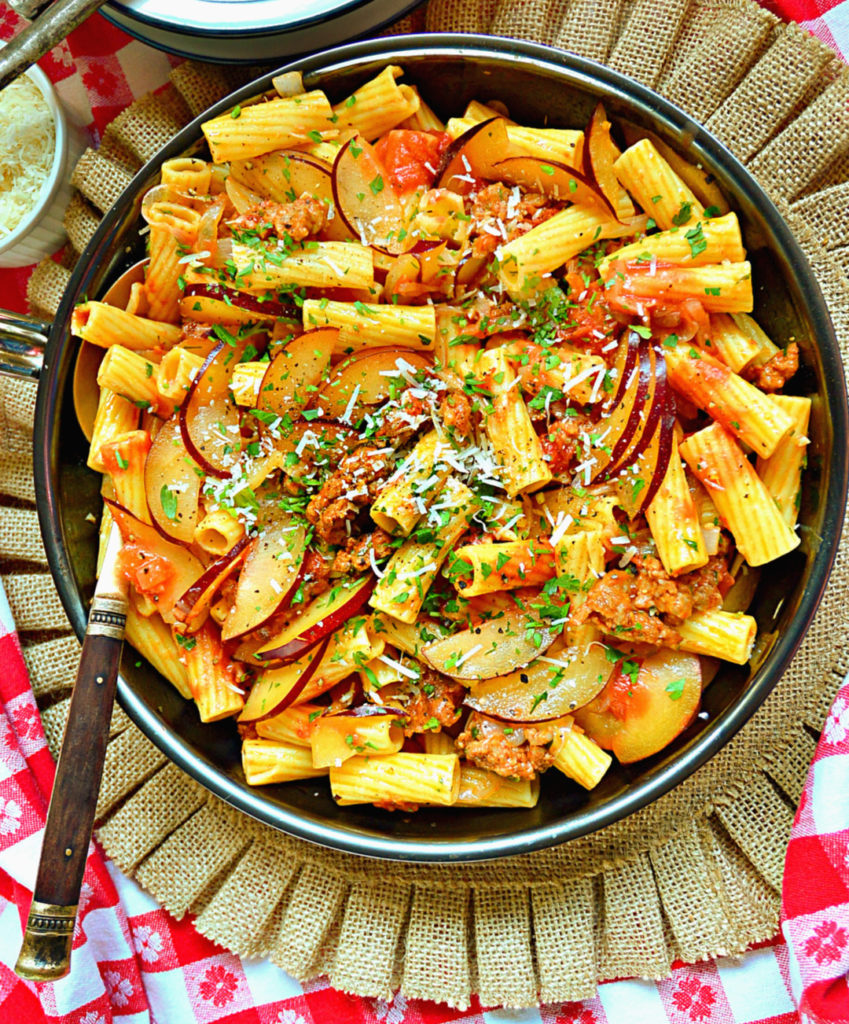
27, 146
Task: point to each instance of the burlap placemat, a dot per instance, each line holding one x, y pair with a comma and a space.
695, 875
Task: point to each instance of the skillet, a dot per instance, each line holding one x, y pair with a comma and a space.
540, 85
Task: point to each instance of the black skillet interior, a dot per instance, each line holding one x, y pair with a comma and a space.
540, 86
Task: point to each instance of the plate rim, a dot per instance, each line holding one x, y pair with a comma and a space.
342, 8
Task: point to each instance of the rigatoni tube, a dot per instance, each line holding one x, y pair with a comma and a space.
178, 369
482, 788
266, 126
753, 330
706, 241
413, 487
105, 326
152, 638
782, 471
336, 738
744, 504
719, 634
293, 725
565, 145
674, 522
162, 284
187, 174
731, 400
579, 757
734, 347
212, 676
129, 374
123, 459
525, 261
378, 105
311, 265
363, 325
656, 186
268, 761
115, 416
508, 425
504, 566
411, 570
218, 531
719, 287
397, 778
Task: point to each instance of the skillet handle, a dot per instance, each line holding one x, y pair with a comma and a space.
22, 341
46, 950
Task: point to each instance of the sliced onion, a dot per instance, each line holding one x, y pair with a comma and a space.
157, 194
290, 83
207, 236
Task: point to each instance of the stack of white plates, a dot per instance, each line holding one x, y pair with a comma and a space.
251, 31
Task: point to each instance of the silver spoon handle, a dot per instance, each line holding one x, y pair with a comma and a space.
42, 35
28, 8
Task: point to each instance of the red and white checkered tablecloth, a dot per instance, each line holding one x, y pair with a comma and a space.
135, 964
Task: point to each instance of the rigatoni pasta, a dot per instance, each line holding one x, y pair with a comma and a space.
115, 416
515, 444
104, 326
398, 779
656, 186
377, 106
674, 522
362, 324
268, 761
269, 125
781, 473
745, 505
527, 260
436, 457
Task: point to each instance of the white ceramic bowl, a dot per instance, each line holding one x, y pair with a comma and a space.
248, 31
42, 231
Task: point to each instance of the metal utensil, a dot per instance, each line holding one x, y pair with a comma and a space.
46, 950
49, 29
86, 391
29, 9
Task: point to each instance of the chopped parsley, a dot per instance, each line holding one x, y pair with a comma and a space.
168, 499
683, 215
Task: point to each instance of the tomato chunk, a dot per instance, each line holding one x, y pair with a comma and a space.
411, 158
625, 692
590, 325
149, 574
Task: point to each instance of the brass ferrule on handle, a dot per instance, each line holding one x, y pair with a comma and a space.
108, 616
46, 952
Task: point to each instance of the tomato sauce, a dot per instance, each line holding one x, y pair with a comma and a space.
590, 326
149, 574
411, 158
626, 695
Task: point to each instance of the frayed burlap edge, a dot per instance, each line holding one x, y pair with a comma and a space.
697, 874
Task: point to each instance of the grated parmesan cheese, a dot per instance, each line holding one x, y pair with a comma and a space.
27, 142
